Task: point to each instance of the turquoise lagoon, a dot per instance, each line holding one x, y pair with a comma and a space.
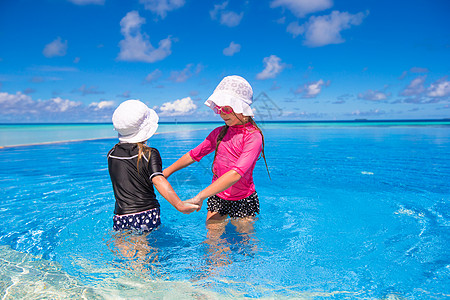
353, 210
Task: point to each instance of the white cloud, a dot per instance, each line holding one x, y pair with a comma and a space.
418, 70
369, 113
416, 92
125, 94
179, 107
186, 73
272, 67
29, 91
230, 18
153, 75
102, 105
136, 45
55, 48
325, 30
301, 8
84, 90
415, 87
9, 101
226, 17
217, 9
275, 86
161, 7
60, 105
413, 70
439, 89
54, 69
86, 2
232, 49
291, 115
281, 20
15, 107
373, 95
404, 74
37, 79
21, 104
311, 90
295, 29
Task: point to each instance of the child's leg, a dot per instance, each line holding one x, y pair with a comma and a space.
218, 249
135, 249
215, 216
243, 225
215, 228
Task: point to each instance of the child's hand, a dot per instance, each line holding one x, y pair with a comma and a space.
187, 208
166, 174
196, 201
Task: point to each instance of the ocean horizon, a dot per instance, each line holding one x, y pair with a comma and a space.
258, 121
27, 134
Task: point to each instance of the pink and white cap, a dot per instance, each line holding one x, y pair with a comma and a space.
233, 91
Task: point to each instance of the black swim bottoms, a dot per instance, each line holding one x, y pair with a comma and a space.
247, 207
142, 221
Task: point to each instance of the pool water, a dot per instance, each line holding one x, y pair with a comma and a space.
349, 213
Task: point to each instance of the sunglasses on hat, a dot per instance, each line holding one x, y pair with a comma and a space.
222, 109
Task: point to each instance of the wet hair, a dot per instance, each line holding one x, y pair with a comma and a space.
222, 133
144, 150
262, 135
224, 130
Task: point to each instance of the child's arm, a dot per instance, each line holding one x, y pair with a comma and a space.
166, 190
181, 163
220, 185
245, 163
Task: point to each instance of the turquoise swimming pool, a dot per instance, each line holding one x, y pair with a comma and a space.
351, 212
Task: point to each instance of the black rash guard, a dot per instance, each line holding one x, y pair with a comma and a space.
133, 190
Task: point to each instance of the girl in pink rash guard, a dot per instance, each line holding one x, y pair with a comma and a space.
237, 145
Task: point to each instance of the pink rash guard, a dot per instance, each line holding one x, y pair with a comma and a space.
239, 150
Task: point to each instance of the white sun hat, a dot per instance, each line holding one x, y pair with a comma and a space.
233, 91
134, 121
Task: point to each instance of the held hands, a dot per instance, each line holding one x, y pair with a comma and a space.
191, 205
166, 190
197, 201
186, 207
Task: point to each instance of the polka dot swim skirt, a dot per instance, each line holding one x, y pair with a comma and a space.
142, 221
247, 207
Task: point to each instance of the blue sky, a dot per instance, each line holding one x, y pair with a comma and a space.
76, 60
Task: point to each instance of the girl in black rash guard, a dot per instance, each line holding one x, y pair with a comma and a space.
135, 169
